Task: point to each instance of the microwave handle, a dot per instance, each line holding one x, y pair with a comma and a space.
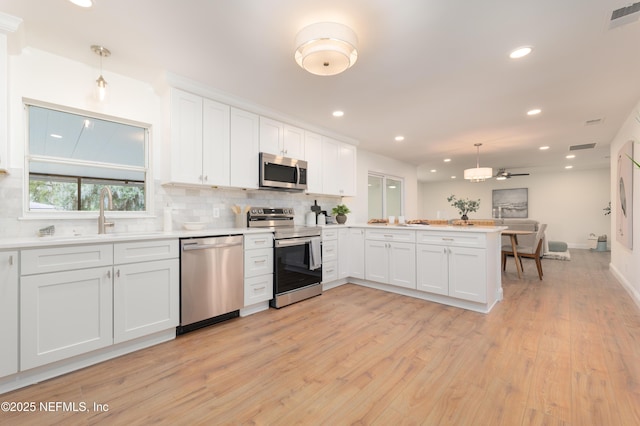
297, 174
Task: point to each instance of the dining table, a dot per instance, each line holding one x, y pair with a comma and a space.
513, 235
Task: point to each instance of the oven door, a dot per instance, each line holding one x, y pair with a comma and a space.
293, 265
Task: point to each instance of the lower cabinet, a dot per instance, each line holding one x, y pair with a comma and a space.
355, 248
458, 272
329, 255
145, 298
258, 268
63, 314
391, 263
8, 312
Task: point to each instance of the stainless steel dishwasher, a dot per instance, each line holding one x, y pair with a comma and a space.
211, 280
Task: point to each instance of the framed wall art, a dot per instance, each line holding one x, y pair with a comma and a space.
511, 203
624, 196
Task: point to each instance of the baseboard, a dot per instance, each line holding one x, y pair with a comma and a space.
635, 295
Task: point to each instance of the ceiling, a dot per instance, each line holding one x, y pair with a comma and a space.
435, 71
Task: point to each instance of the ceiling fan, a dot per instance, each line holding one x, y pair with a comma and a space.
503, 174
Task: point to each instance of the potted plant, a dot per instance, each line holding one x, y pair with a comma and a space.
340, 211
464, 206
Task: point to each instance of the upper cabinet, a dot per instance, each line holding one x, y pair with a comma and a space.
338, 168
313, 150
244, 149
199, 140
281, 139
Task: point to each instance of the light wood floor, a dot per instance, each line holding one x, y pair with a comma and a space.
562, 351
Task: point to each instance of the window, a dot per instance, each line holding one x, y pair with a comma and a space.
71, 156
386, 196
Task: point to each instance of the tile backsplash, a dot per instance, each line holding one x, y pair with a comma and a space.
187, 204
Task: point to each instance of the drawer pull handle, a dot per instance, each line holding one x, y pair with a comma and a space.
260, 288
11, 260
447, 239
329, 270
109, 274
388, 236
260, 241
260, 261
118, 273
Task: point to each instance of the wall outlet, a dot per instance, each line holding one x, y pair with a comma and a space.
216, 212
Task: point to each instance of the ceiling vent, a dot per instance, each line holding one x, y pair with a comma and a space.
593, 122
624, 15
583, 146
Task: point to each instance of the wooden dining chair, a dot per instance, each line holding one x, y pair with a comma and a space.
533, 251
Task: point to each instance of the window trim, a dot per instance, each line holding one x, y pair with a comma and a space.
76, 214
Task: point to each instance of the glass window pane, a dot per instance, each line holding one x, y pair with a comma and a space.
375, 195
394, 197
48, 193
126, 196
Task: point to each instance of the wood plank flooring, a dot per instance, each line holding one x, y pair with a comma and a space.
565, 351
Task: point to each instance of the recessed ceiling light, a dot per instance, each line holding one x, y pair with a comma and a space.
568, 167
520, 52
82, 3
55, 136
534, 111
338, 113
433, 170
543, 148
570, 156
447, 160
453, 177
399, 138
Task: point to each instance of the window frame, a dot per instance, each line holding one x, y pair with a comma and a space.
147, 169
384, 178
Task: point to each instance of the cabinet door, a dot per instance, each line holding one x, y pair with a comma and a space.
244, 149
8, 313
313, 153
271, 136
293, 142
356, 253
432, 271
402, 264
329, 250
215, 143
186, 137
146, 298
330, 175
347, 170
64, 314
467, 274
344, 254
376, 260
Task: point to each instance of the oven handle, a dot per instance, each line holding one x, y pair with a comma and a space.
292, 242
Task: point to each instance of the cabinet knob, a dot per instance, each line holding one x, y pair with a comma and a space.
118, 273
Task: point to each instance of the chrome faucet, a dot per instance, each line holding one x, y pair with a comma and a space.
102, 224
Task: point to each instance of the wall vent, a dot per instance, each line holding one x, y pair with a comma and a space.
593, 122
624, 15
583, 146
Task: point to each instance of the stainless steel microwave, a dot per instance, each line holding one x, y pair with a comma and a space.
282, 172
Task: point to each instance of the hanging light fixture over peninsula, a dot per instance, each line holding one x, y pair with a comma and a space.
479, 174
326, 48
103, 52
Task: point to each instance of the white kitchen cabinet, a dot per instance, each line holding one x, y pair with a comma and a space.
313, 153
199, 140
258, 268
146, 288
244, 137
8, 312
329, 254
63, 314
355, 248
344, 255
338, 168
452, 264
390, 257
281, 139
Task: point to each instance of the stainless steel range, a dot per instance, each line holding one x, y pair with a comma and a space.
297, 255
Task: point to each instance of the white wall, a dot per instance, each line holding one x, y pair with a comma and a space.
570, 202
625, 263
370, 162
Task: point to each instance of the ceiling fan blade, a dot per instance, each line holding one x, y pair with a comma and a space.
518, 174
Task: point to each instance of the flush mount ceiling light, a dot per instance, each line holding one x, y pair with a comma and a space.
479, 174
103, 52
82, 3
326, 48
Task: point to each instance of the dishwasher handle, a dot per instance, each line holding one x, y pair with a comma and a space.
197, 246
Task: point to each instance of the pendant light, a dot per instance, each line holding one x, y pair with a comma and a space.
103, 52
479, 174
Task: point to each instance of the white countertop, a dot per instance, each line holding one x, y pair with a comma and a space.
59, 240
447, 228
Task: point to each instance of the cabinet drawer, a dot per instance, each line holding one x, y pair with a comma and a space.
142, 251
258, 262
390, 235
329, 234
38, 261
258, 241
329, 250
329, 271
458, 239
258, 289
